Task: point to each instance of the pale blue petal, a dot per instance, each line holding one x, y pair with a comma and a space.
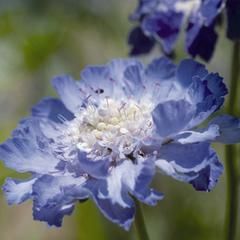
160, 69
229, 129
171, 117
17, 191
187, 69
193, 163
199, 135
22, 155
54, 197
69, 92
120, 212
98, 80
133, 85
52, 109
97, 168
209, 176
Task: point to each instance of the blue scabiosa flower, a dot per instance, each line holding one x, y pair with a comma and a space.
162, 20
108, 134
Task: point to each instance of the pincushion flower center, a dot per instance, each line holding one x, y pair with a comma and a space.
112, 124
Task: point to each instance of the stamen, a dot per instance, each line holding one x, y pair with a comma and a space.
110, 125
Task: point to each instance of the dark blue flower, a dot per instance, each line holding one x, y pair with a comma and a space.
233, 15
162, 21
109, 132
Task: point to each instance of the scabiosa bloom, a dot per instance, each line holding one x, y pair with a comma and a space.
109, 132
162, 20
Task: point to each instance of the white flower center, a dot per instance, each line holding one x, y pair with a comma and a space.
112, 125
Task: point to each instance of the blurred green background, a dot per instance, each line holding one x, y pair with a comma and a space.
41, 39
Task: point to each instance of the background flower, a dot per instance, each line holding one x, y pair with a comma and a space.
108, 133
162, 21
233, 15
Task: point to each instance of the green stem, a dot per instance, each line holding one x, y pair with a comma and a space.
231, 152
139, 223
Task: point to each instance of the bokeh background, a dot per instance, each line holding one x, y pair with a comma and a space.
41, 39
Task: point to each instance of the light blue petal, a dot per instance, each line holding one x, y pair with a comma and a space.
29, 150
216, 85
193, 163
229, 129
199, 135
98, 80
187, 69
112, 194
69, 92
208, 94
171, 117
54, 197
143, 179
97, 168
160, 69
133, 85
24, 156
204, 109
17, 191
52, 109
121, 213
208, 177
117, 68
185, 157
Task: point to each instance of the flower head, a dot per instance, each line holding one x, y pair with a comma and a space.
162, 20
108, 134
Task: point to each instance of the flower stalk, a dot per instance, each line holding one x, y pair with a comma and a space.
231, 152
140, 224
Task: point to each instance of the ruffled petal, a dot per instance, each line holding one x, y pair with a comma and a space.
29, 150
193, 163
17, 191
112, 194
119, 209
143, 179
204, 90
208, 176
135, 179
199, 135
54, 197
22, 155
229, 128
